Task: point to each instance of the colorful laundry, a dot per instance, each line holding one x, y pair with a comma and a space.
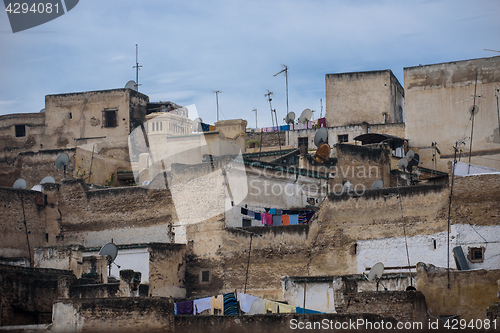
251, 213
217, 303
285, 219
277, 220
294, 219
201, 304
272, 211
270, 306
258, 216
322, 122
268, 219
230, 305
246, 301
285, 308
185, 308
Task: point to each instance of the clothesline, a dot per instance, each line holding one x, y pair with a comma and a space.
277, 217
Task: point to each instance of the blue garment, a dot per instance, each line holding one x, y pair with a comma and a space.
230, 305
298, 309
272, 211
251, 213
294, 219
277, 220
257, 217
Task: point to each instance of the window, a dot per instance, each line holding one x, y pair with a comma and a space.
343, 138
205, 276
109, 118
20, 131
304, 141
476, 254
246, 223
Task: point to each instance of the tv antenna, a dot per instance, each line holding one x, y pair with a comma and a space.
375, 274
137, 68
474, 109
62, 162
285, 70
110, 251
321, 112
255, 110
492, 50
269, 99
217, 92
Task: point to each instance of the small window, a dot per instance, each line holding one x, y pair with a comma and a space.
205, 276
304, 141
20, 131
343, 138
70, 115
476, 254
109, 118
247, 223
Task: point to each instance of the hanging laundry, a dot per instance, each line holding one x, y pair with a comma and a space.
205, 127
277, 220
244, 211
294, 219
258, 216
267, 210
270, 306
185, 308
211, 128
298, 309
201, 304
217, 303
279, 211
246, 301
230, 305
309, 215
272, 211
251, 213
268, 219
286, 219
257, 307
322, 122
285, 308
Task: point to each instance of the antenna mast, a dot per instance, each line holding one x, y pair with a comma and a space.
137, 68
255, 110
216, 92
473, 112
285, 69
268, 95
321, 112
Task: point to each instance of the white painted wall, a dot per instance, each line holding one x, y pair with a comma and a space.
319, 295
392, 251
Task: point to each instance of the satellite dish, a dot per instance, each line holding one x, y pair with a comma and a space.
110, 251
403, 163
376, 272
37, 188
305, 116
322, 153
378, 184
197, 125
20, 183
290, 118
130, 85
42, 110
347, 187
48, 179
410, 154
321, 137
474, 110
413, 162
62, 161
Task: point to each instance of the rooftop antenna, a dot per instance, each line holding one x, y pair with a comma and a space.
137, 68
255, 110
321, 112
110, 250
217, 92
268, 95
473, 111
285, 69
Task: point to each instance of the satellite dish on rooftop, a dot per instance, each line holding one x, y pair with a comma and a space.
20, 183
42, 110
290, 118
322, 153
413, 162
48, 179
37, 188
305, 116
378, 184
321, 137
110, 251
197, 125
376, 272
403, 163
62, 161
410, 154
130, 85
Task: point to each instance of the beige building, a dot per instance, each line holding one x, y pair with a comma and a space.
438, 101
374, 97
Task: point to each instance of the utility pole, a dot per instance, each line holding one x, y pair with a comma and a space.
268, 95
285, 70
255, 110
216, 92
137, 68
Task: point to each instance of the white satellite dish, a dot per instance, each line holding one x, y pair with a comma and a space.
62, 161
305, 116
403, 163
37, 188
20, 183
42, 110
290, 118
376, 272
48, 179
378, 184
410, 154
197, 125
321, 137
130, 85
110, 251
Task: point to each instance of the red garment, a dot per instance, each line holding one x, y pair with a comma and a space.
322, 122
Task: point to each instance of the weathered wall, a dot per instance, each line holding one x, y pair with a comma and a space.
437, 103
269, 139
60, 257
470, 293
10, 145
104, 168
167, 270
26, 294
352, 98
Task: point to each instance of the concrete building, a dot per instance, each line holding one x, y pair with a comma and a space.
438, 101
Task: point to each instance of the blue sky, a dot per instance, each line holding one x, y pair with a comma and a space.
190, 48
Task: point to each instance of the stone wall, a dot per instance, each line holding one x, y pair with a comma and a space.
167, 270
26, 294
269, 139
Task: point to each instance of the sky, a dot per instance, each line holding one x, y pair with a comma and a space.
191, 48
